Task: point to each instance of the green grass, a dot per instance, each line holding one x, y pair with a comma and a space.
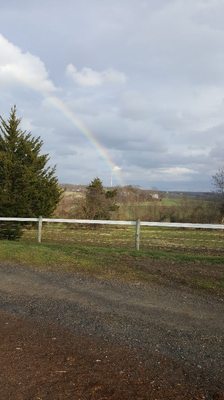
100, 262
167, 256
166, 201
119, 263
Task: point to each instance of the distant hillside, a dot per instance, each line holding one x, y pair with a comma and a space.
150, 193
191, 195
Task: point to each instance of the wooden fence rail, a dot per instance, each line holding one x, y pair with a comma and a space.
137, 224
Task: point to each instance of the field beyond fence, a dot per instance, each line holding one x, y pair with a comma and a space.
124, 237
124, 234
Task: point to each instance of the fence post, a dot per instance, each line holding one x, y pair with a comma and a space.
137, 234
39, 229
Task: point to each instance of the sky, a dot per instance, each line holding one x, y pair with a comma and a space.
130, 91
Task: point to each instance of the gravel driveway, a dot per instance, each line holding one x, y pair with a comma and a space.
175, 322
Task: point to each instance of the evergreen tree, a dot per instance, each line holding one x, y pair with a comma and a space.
99, 202
28, 187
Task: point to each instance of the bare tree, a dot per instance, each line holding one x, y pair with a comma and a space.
218, 181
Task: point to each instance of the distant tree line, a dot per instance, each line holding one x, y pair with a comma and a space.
131, 203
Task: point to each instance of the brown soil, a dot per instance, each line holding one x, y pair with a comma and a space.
45, 362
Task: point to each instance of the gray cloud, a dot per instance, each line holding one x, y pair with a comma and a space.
146, 82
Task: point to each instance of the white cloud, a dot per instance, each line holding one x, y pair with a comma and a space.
21, 68
177, 172
89, 77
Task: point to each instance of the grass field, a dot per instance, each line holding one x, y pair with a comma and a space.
209, 241
193, 258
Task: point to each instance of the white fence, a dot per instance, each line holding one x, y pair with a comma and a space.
137, 224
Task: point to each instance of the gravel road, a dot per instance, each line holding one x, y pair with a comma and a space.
179, 323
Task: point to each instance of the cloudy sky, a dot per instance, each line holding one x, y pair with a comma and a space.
128, 88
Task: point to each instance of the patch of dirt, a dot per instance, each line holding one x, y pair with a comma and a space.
39, 362
179, 273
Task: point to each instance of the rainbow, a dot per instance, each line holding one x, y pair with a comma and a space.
68, 113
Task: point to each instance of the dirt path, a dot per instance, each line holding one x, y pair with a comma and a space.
175, 325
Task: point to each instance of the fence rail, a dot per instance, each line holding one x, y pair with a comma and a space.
137, 224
